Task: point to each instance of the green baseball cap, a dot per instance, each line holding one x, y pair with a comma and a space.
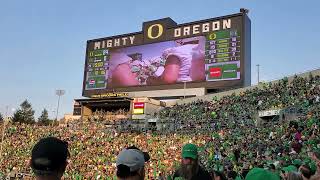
190, 151
297, 162
261, 174
290, 168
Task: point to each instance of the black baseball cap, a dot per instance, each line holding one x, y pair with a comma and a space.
48, 155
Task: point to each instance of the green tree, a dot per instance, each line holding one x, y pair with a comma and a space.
25, 114
44, 118
1, 118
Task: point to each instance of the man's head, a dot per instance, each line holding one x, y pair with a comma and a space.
189, 162
130, 164
316, 155
49, 158
189, 152
295, 176
305, 171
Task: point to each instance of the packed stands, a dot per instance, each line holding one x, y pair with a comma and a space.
228, 131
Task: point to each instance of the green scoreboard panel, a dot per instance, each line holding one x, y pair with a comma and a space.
222, 55
97, 69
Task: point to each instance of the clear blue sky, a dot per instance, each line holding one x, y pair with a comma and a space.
42, 43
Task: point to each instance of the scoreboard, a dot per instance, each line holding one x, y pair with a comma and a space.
223, 55
213, 53
96, 71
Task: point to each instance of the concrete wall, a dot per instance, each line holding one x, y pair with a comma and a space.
169, 92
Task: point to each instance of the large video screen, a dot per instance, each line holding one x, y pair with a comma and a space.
214, 57
212, 54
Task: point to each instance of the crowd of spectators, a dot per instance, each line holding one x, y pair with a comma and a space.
109, 116
234, 141
93, 148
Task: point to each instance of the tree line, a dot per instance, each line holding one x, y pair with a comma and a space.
25, 114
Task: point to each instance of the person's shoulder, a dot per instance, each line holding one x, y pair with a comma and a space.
204, 174
178, 178
176, 174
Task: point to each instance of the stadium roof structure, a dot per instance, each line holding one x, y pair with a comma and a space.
104, 102
111, 99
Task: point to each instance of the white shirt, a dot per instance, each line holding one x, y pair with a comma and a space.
184, 54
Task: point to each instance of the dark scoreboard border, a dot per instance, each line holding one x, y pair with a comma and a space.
245, 59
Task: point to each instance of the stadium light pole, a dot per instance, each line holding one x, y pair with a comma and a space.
258, 72
6, 114
53, 113
184, 89
59, 93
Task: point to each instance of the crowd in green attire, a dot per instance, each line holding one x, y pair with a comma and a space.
234, 142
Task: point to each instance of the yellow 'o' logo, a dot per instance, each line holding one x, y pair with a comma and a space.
160, 27
212, 36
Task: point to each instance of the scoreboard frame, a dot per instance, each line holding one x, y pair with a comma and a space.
166, 30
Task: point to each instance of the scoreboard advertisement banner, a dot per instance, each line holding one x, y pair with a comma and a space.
209, 53
138, 108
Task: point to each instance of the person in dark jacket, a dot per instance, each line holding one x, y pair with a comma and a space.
189, 168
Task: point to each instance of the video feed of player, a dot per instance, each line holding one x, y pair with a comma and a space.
213, 57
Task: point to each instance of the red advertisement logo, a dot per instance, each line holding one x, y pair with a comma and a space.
138, 105
92, 81
215, 72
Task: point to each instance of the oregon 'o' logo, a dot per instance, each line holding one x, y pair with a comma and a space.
160, 31
212, 36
